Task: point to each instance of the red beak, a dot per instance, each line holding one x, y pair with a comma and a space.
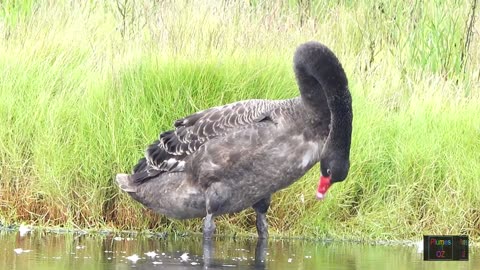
323, 186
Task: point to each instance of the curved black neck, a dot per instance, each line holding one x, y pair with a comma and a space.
324, 91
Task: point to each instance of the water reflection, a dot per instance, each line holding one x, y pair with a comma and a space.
115, 251
258, 260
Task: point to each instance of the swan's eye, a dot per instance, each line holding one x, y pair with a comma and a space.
329, 172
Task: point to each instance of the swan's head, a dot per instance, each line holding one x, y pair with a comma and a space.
334, 166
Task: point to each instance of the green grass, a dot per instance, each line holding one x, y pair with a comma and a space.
83, 94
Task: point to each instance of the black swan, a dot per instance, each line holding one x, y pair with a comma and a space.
228, 158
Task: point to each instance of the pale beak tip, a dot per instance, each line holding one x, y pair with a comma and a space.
320, 196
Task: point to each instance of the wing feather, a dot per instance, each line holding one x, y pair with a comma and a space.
168, 153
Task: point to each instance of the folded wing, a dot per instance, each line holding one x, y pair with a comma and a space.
169, 152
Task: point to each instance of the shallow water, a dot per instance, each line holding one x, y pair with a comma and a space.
49, 250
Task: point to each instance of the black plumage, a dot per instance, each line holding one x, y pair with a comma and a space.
227, 158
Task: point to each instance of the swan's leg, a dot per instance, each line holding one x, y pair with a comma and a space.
208, 253
215, 196
261, 208
208, 226
261, 252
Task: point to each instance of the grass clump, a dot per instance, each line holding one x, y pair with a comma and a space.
83, 94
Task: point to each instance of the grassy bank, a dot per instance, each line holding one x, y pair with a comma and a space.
86, 86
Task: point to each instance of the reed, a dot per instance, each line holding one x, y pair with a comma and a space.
87, 85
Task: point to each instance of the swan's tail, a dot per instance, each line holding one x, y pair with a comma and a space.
125, 183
